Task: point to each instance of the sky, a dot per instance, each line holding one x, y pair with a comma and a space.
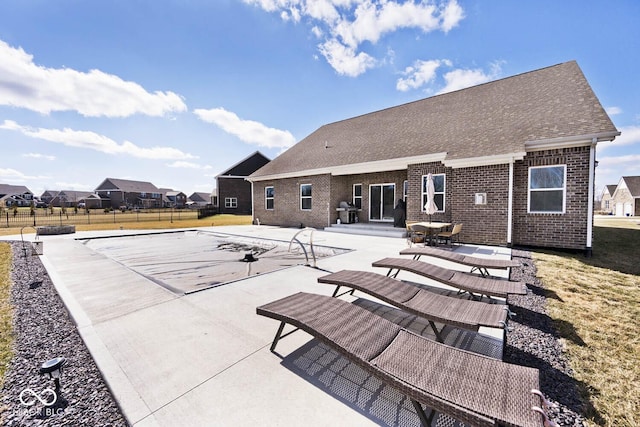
175, 92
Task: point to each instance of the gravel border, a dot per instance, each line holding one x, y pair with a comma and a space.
534, 342
43, 330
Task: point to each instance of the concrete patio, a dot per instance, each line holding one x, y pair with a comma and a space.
204, 359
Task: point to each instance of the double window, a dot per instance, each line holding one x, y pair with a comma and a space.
547, 189
269, 195
357, 195
305, 197
439, 185
231, 202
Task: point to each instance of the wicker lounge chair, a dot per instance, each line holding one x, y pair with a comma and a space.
420, 302
464, 281
480, 264
469, 387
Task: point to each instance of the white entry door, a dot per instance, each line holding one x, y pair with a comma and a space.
381, 202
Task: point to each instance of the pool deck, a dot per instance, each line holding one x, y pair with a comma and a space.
203, 359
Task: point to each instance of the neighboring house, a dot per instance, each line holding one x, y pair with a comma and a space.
200, 199
69, 198
606, 204
48, 196
116, 193
234, 191
15, 195
176, 199
513, 160
626, 198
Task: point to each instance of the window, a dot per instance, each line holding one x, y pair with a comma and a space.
547, 189
305, 197
269, 194
439, 185
231, 202
357, 195
405, 191
606, 204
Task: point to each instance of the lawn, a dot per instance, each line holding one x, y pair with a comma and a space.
596, 308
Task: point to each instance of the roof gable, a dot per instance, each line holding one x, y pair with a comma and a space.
247, 166
13, 189
495, 119
114, 184
633, 185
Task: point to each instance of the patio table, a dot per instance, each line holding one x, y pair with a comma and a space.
433, 227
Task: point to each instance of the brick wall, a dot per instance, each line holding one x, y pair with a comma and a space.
568, 230
238, 188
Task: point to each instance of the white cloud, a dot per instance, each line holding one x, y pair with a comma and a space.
25, 84
345, 60
77, 186
187, 165
39, 156
629, 135
419, 74
350, 23
94, 141
12, 175
463, 78
612, 111
249, 131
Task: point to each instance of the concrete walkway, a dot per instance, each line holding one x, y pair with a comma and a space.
203, 359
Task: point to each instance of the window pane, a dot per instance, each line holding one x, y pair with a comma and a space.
439, 201
438, 183
269, 192
546, 201
548, 177
306, 203
305, 190
357, 190
269, 203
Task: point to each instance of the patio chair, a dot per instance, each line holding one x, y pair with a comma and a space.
421, 302
414, 235
471, 388
476, 263
466, 282
451, 236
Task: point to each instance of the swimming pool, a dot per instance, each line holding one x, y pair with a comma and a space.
189, 261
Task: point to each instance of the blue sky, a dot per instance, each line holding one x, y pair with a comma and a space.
175, 92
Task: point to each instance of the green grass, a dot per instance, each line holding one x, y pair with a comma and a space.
597, 313
6, 310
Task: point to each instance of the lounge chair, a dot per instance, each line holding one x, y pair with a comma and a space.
480, 264
420, 302
451, 236
464, 281
469, 387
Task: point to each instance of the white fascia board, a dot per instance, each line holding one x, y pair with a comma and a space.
358, 168
569, 141
484, 160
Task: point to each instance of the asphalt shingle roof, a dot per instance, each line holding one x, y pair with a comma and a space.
494, 118
633, 184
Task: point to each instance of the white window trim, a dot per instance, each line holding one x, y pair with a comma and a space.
306, 197
443, 192
266, 198
353, 194
564, 190
231, 202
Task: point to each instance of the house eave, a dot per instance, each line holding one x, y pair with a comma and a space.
484, 160
399, 163
570, 141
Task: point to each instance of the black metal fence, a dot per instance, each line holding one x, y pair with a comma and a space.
42, 217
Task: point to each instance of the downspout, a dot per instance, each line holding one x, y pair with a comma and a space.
253, 210
510, 205
592, 173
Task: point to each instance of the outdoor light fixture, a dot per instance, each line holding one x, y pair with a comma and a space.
53, 368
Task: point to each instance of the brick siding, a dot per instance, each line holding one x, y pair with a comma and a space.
238, 188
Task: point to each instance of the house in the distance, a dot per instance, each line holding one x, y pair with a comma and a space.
625, 200
175, 199
48, 195
234, 191
201, 200
15, 195
70, 198
513, 160
116, 193
606, 204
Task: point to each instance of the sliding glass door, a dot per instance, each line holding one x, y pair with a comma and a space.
381, 202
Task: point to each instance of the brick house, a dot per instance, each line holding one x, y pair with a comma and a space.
625, 200
234, 191
132, 194
513, 160
606, 205
200, 199
175, 199
15, 195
